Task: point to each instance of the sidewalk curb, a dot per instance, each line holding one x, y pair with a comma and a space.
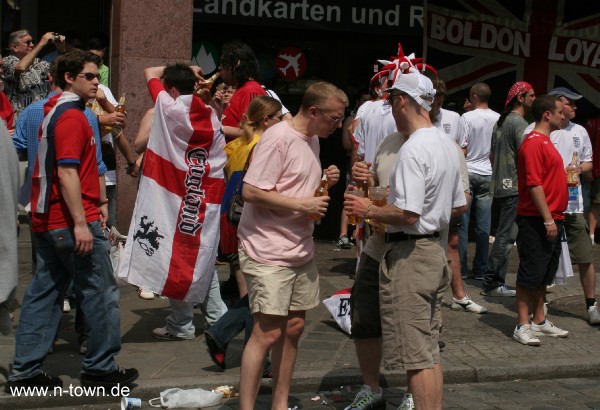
314, 381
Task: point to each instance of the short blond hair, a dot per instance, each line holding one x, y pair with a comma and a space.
319, 94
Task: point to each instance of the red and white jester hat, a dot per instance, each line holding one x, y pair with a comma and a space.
399, 64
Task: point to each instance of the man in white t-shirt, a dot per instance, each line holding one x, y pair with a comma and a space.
425, 190
573, 138
447, 122
376, 123
275, 233
444, 120
475, 137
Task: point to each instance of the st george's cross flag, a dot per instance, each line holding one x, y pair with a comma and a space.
174, 233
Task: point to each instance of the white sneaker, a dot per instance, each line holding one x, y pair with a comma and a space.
500, 291
145, 294
164, 334
523, 335
594, 314
407, 402
467, 305
66, 306
548, 329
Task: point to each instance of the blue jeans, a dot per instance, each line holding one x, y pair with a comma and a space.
506, 234
96, 289
482, 202
235, 320
180, 322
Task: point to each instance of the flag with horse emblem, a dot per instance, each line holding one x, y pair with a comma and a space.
174, 233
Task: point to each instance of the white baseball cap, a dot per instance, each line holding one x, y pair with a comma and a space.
419, 87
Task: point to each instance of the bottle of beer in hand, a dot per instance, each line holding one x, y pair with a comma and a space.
119, 108
207, 84
364, 186
573, 178
322, 190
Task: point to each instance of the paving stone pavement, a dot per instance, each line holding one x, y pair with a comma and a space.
479, 348
553, 394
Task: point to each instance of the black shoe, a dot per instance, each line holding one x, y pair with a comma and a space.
215, 352
229, 289
40, 380
121, 376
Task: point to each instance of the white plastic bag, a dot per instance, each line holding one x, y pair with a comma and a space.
338, 305
565, 267
177, 398
116, 241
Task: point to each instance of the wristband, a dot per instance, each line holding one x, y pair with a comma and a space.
549, 223
103, 202
367, 212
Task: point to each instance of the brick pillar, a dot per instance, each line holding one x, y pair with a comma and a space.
144, 33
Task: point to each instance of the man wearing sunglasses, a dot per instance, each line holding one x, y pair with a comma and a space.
68, 213
25, 75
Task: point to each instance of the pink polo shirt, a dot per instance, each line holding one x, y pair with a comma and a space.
285, 161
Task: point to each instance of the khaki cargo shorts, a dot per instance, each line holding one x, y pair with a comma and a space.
413, 278
277, 290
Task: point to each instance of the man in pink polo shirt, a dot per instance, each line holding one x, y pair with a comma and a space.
276, 248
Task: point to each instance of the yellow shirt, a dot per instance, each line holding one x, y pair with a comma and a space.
237, 154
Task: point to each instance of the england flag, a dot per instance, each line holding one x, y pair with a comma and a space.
174, 232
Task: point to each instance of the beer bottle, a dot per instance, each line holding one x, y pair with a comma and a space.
364, 186
572, 174
120, 108
207, 84
573, 179
322, 190
121, 104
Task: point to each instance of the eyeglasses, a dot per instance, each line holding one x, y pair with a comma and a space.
28, 42
89, 76
390, 99
334, 119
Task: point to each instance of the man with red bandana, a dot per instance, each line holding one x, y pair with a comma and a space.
507, 137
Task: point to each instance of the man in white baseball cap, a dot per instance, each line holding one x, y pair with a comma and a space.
573, 138
425, 191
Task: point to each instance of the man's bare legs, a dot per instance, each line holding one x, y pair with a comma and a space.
456, 282
535, 299
426, 386
279, 334
283, 358
368, 352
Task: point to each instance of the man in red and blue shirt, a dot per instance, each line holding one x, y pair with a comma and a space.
68, 214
